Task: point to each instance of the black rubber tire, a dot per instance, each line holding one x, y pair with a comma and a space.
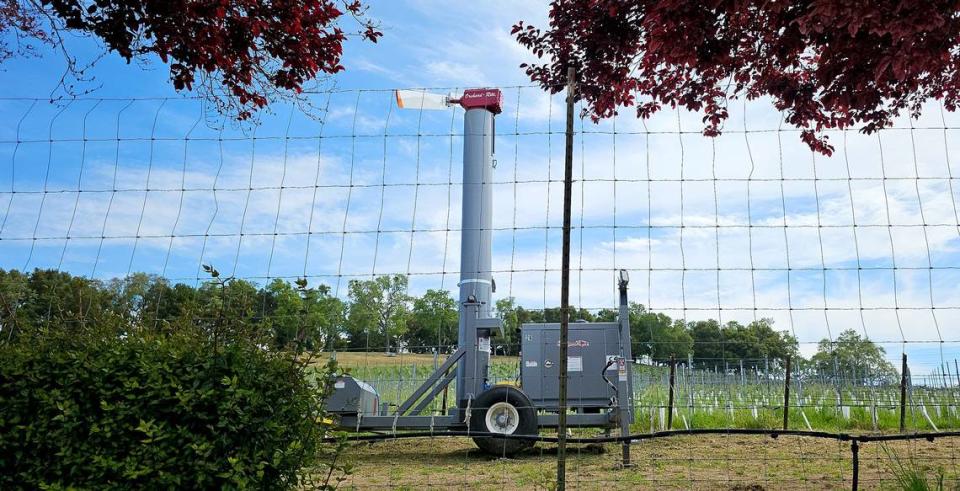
527, 424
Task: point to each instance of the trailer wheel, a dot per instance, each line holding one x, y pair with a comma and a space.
506, 410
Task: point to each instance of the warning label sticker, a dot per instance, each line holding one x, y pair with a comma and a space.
483, 344
622, 370
574, 363
531, 364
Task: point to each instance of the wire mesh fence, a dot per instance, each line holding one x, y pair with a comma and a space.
745, 250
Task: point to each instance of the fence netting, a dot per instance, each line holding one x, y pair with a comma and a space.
338, 220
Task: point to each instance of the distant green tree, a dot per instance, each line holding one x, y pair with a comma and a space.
277, 314
326, 318
606, 315
757, 342
128, 298
552, 314
433, 322
231, 309
48, 299
657, 335
853, 358
378, 311
15, 293
56, 300
235, 301
772, 344
708, 343
513, 317
673, 342
506, 308
310, 317
169, 306
286, 314
143, 301
753, 345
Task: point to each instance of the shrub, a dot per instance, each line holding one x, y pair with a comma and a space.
155, 411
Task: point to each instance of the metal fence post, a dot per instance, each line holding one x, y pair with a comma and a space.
786, 396
673, 374
855, 450
956, 370
903, 394
565, 283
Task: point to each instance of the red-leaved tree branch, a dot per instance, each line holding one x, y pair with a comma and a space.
239, 53
824, 63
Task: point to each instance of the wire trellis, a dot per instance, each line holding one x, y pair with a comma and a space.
745, 227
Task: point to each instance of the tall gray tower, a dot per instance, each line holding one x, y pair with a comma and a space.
476, 280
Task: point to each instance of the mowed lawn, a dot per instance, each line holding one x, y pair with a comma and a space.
685, 462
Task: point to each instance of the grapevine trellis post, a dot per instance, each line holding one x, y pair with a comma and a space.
786, 395
673, 375
903, 394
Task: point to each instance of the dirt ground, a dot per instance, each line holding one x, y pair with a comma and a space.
704, 462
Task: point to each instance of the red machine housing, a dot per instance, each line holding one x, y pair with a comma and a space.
489, 99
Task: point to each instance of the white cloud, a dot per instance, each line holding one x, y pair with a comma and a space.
521, 256
630, 174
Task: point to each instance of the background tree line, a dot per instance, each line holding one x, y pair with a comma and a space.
380, 313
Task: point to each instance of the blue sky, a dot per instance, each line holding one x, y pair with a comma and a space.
652, 196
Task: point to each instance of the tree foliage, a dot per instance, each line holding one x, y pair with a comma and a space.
380, 313
514, 316
658, 336
303, 315
238, 53
754, 344
433, 322
853, 358
379, 310
825, 63
20, 31
280, 315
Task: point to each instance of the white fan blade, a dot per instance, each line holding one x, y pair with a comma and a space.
415, 99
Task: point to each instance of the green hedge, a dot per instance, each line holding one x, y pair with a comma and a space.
157, 412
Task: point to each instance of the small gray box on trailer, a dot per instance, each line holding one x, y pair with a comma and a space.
590, 347
351, 396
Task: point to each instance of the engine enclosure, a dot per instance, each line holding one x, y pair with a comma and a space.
589, 349
352, 397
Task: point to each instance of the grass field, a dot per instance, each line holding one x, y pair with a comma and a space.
703, 400
685, 462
